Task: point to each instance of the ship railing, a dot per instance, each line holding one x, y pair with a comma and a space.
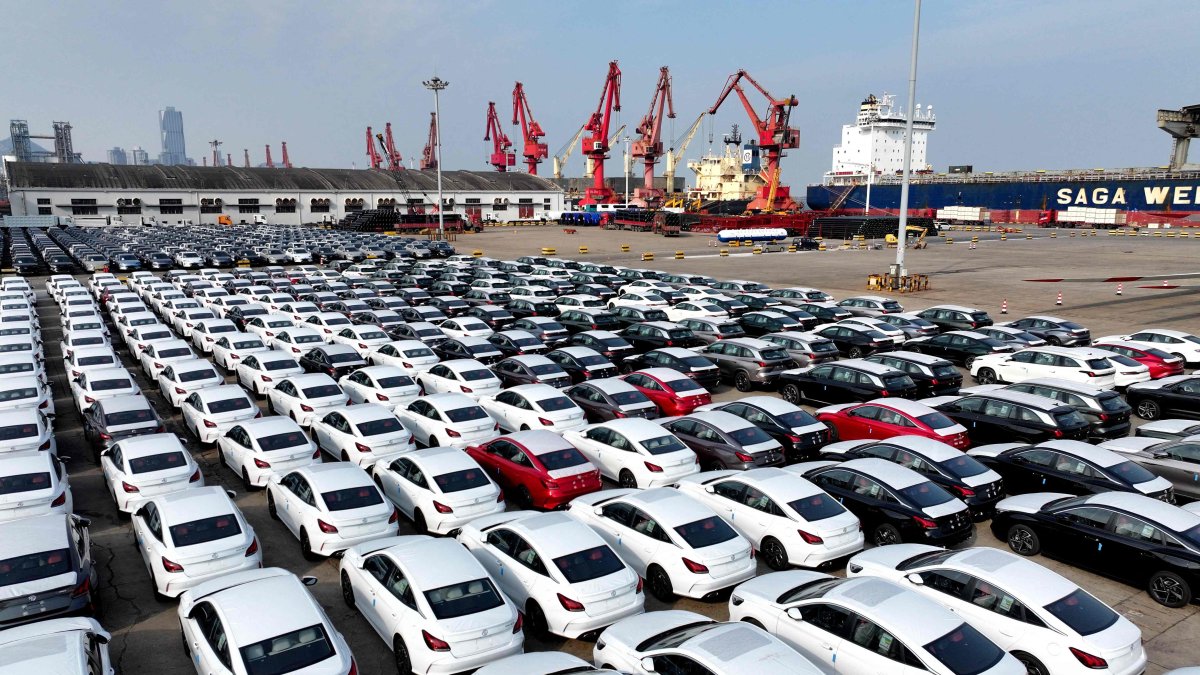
1097, 176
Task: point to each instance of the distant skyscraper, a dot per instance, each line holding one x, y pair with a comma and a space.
139, 156
170, 126
118, 156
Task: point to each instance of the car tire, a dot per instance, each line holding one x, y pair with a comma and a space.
347, 591
522, 498
986, 376
885, 534
246, 480
306, 547
1023, 540
658, 582
792, 394
271, 510
834, 436
419, 524
774, 554
1032, 665
1169, 589
968, 362
625, 368
626, 479
742, 382
400, 655
855, 352
1148, 410
535, 621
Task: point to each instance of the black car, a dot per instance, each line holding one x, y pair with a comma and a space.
963, 476
1072, 467
493, 316
486, 297
414, 296
628, 315
610, 399
333, 360
531, 369
610, 345
449, 306
444, 288
583, 363
826, 312
109, 420
912, 325
543, 328
856, 341
762, 322
1104, 409
239, 314
686, 361
27, 265
386, 304
961, 347
522, 308
895, 504
808, 321
1054, 330
418, 330
423, 314
733, 308
468, 348
122, 262
1127, 536
655, 334
158, 261
383, 318
954, 317
579, 320
515, 342
757, 301
934, 376
1010, 417
1174, 396
800, 434
599, 290
844, 382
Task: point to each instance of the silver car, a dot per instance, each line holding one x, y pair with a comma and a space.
870, 305
748, 362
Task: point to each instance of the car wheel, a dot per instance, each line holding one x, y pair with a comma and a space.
274, 512
986, 376
306, 547
419, 522
885, 534
627, 479
855, 353
625, 368
400, 653
1169, 589
246, 480
1148, 410
774, 554
347, 591
1032, 665
792, 394
968, 362
535, 621
1053, 341
741, 381
524, 427
1023, 540
658, 582
522, 498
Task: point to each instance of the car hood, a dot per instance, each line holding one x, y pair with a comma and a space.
633, 630
1029, 503
1132, 445
833, 409
887, 557
993, 449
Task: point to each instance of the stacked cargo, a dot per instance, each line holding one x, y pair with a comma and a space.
973, 214
1092, 216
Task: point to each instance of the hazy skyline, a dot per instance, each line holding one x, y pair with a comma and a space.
1015, 85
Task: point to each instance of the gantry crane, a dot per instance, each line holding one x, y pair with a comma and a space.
501, 158
774, 136
595, 144
649, 146
388, 144
429, 159
372, 154
672, 156
531, 132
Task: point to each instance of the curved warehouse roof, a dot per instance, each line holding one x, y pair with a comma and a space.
161, 177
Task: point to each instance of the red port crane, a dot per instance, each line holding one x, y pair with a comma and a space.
531, 131
372, 154
270, 162
429, 159
395, 161
501, 157
595, 143
774, 136
649, 146
287, 163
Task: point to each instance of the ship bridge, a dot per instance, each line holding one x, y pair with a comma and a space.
1183, 125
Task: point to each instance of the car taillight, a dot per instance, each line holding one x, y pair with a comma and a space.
253, 548
262, 463
653, 468
156, 365
743, 457
442, 508
60, 500
549, 484
353, 668
305, 407
694, 567
381, 397
639, 585
496, 426
924, 522
210, 425
883, 393
332, 371
809, 538
317, 454
105, 437
326, 527
195, 476
85, 587
500, 496
519, 623
406, 364
466, 390
963, 491
435, 644
89, 399
1103, 416
973, 324
1058, 433
1089, 661
171, 566
545, 422
1090, 373
264, 378
569, 604
933, 381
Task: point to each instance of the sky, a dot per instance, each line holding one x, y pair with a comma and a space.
1018, 84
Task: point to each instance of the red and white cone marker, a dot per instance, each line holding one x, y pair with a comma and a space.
1120, 288
1004, 306
1058, 300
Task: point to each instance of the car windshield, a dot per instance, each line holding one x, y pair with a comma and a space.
476, 375
562, 458
24, 482
323, 391
123, 417
815, 507
289, 439
205, 530
965, 651
230, 405
589, 564
351, 498
457, 481
15, 431
705, 532
925, 494
467, 414
109, 385
623, 398
685, 387
1130, 473
287, 653
663, 445
936, 420
461, 599
749, 436
34, 566
196, 375
1082, 613
384, 425
159, 462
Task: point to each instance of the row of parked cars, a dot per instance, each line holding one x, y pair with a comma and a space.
705, 488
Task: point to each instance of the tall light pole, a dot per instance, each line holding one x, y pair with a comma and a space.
436, 85
898, 269
628, 167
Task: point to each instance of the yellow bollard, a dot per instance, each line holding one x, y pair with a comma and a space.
735, 243
1054, 235
1003, 236
477, 253
583, 249
724, 253
624, 248
679, 255
647, 257
1028, 237
949, 240
546, 250
821, 246
757, 250
792, 248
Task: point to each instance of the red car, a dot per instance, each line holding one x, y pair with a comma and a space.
886, 417
672, 391
537, 468
1160, 363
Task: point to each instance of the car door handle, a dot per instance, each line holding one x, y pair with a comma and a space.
826, 646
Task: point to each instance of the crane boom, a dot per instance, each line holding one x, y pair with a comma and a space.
501, 157
287, 161
774, 136
372, 154
560, 159
270, 163
649, 145
531, 132
395, 161
671, 159
429, 153
589, 167
596, 143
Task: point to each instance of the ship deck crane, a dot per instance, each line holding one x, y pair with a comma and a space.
501, 158
649, 146
774, 136
672, 156
429, 153
596, 144
388, 143
373, 157
531, 132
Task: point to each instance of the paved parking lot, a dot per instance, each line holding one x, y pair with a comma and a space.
146, 631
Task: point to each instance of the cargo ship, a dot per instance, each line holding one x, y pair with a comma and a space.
871, 152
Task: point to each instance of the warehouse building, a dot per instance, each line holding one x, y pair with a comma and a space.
182, 194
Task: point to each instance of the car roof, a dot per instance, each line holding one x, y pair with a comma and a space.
1069, 385
636, 429
103, 373
1085, 451
334, 476
150, 444
611, 385
556, 533
895, 607
915, 357
291, 607
364, 412
1173, 517
221, 392
34, 534
309, 379
668, 505
442, 458
927, 447
22, 415
1061, 351
452, 563
894, 475
271, 424
720, 419
954, 308
195, 503
1031, 400
867, 366
450, 400
1038, 585
784, 485
530, 359
1046, 317
904, 405
127, 402
188, 365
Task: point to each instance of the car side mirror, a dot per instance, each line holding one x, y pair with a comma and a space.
100, 639
231, 493
308, 581
140, 513
793, 613
915, 579
710, 489
647, 664
598, 511
1160, 454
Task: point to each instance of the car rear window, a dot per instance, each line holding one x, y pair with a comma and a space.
1130, 472
892, 306
109, 385
34, 566
468, 597
696, 362
476, 375
628, 398
936, 420
166, 353
195, 375
351, 498
288, 652
457, 481
205, 530
965, 651
323, 391
705, 532
679, 334
1083, 613
980, 316
963, 466
248, 344
546, 369
290, 439
749, 436
466, 414
1098, 364
925, 494
129, 417
897, 381
98, 360
563, 458
775, 354
589, 564
1069, 418
159, 462
946, 370
1112, 402
344, 357
230, 405
24, 482
686, 387
15, 431
817, 507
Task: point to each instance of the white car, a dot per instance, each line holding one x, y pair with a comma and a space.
1076, 364
866, 625
330, 507
466, 376
1129, 371
542, 663
639, 298
411, 356
431, 602
267, 325
578, 301
191, 536
231, 348
259, 372
259, 448
93, 385
634, 452
142, 467
142, 336
26, 391
158, 355
449, 419
89, 321
438, 489
206, 333
296, 341
561, 572
33, 485
532, 293
362, 434
533, 406
92, 338
210, 411
25, 431
387, 386
676, 543
180, 379
69, 646
362, 339
271, 617
678, 641
298, 310
897, 336
465, 326
89, 358
695, 309
304, 398
184, 320
1177, 343
788, 519
327, 323
1023, 607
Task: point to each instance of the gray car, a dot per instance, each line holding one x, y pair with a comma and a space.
722, 440
870, 305
1176, 460
806, 349
747, 362
52, 553
711, 330
111, 419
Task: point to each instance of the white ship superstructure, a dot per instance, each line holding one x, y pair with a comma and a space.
876, 139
